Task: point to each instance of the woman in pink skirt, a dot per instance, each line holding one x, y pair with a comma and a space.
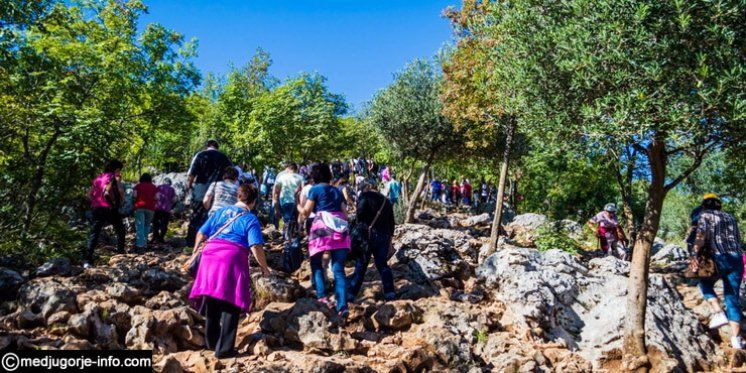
329, 233
222, 283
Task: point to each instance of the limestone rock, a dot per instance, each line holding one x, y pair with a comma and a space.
523, 228
48, 295
275, 288
433, 254
397, 315
560, 299
54, 267
10, 280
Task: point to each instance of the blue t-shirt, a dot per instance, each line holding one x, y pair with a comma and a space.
436, 186
245, 231
326, 198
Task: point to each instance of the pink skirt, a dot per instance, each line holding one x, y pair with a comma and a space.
223, 274
322, 238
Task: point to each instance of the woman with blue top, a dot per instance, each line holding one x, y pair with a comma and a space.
222, 283
329, 233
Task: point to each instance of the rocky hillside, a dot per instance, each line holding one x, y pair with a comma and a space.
460, 308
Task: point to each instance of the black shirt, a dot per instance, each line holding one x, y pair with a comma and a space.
367, 207
208, 166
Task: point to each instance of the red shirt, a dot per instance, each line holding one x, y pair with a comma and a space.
145, 196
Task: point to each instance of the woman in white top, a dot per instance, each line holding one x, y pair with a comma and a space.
222, 193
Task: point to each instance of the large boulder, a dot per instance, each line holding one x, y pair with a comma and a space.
560, 299
55, 267
523, 228
275, 288
670, 257
48, 295
313, 325
433, 254
10, 280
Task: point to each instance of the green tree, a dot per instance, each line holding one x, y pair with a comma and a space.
79, 83
483, 93
408, 114
298, 120
666, 78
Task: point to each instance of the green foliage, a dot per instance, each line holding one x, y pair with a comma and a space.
78, 84
553, 236
408, 114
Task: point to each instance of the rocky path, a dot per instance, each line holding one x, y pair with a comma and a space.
460, 308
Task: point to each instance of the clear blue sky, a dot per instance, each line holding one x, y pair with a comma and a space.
356, 44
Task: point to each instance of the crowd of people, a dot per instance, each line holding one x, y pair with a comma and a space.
338, 208
461, 194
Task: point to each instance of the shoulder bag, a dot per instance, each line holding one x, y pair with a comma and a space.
193, 263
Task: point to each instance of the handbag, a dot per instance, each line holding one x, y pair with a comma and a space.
192, 264
701, 266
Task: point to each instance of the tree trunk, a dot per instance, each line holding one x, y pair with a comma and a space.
637, 289
36, 181
496, 222
412, 206
31, 200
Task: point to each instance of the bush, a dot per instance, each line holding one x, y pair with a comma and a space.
553, 236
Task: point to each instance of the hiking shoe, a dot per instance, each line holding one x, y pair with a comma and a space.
718, 320
736, 342
86, 265
344, 314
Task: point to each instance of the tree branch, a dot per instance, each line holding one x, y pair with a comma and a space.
697, 162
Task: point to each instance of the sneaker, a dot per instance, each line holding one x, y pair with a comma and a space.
718, 320
736, 342
344, 314
389, 296
86, 265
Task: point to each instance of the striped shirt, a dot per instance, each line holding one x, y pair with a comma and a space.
720, 231
225, 194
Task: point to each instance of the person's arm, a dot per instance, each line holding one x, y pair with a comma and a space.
258, 252
209, 196
307, 208
199, 238
191, 173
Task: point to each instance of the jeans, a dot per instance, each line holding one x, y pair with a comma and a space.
289, 213
730, 267
143, 219
379, 248
102, 217
160, 225
340, 281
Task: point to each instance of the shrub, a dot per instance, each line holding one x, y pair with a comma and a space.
553, 236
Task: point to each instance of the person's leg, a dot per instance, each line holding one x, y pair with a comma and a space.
198, 215
117, 222
164, 225
156, 226
213, 312
140, 228
380, 256
148, 223
317, 272
340, 280
731, 287
358, 276
228, 328
707, 288
98, 221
